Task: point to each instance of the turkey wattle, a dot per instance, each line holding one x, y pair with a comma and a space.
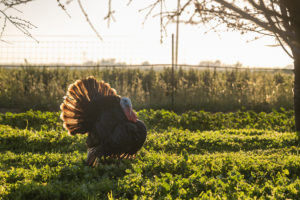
113, 129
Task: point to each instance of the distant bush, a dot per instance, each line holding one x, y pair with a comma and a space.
42, 88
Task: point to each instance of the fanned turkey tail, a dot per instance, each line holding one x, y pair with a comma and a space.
76, 111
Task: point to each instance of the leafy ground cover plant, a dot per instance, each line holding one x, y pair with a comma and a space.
174, 163
32, 120
162, 119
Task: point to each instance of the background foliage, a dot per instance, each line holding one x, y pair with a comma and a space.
42, 88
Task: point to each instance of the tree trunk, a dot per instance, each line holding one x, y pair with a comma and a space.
296, 54
297, 90
293, 7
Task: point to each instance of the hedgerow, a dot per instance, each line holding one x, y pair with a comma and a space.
43, 88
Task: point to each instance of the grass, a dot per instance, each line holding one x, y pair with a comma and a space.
175, 163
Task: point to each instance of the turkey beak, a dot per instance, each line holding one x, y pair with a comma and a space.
130, 114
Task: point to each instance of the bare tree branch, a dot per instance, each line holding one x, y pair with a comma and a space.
22, 25
109, 14
150, 8
129, 2
265, 17
11, 3
267, 26
63, 8
88, 20
3, 27
280, 24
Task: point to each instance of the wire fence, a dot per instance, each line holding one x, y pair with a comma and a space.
150, 66
203, 88
50, 52
79, 52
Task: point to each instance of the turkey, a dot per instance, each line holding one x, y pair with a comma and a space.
93, 107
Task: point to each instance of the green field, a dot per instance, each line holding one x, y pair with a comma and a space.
196, 155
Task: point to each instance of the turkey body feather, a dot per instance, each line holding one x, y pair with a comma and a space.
95, 108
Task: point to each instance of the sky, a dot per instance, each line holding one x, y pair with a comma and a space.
70, 39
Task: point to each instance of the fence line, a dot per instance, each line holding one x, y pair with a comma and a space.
79, 49
87, 51
147, 66
40, 88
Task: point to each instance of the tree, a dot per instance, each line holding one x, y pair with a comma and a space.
277, 18
22, 25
